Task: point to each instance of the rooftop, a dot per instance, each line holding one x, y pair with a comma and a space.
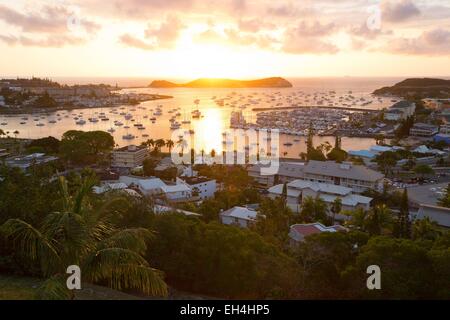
194, 180
130, 148
240, 213
342, 170
321, 187
312, 228
427, 194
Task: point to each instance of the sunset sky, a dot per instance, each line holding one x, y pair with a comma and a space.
219, 38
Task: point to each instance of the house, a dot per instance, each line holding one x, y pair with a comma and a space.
2, 101
400, 110
440, 215
129, 157
177, 192
159, 209
357, 177
239, 216
423, 202
148, 186
203, 186
298, 232
299, 190
109, 187
424, 130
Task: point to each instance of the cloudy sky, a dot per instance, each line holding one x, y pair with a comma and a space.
220, 38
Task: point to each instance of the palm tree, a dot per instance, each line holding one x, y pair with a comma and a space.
16, 132
150, 143
182, 144
170, 144
2, 133
336, 208
159, 144
80, 234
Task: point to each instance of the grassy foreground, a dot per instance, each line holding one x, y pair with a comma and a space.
24, 288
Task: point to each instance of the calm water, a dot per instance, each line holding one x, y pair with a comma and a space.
208, 129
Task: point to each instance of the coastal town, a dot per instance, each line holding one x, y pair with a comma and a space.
398, 188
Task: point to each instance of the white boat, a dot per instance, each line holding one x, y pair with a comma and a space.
174, 125
40, 124
111, 130
80, 122
128, 136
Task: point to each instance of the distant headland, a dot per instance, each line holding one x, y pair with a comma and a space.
420, 87
274, 82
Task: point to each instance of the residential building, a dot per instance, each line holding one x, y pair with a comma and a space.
105, 187
24, 162
240, 216
424, 130
148, 186
299, 190
203, 186
287, 171
177, 192
357, 177
400, 110
129, 157
298, 232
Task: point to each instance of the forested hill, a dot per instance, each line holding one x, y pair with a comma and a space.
422, 87
274, 82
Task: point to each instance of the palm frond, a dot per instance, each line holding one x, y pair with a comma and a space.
132, 239
54, 288
124, 269
32, 243
143, 278
70, 231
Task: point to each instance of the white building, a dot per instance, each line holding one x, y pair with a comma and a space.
298, 232
177, 192
148, 186
239, 216
129, 157
299, 190
2, 101
400, 111
204, 187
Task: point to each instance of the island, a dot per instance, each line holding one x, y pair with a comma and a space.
418, 87
273, 82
